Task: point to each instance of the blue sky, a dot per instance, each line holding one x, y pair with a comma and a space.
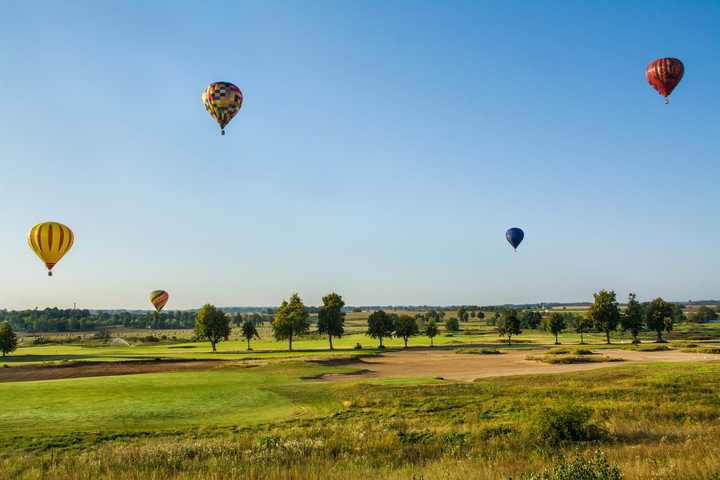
382, 151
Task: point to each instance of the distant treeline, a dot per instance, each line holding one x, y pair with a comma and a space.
82, 320
78, 320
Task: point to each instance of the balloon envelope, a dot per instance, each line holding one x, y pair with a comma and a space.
664, 75
159, 298
222, 100
50, 241
514, 236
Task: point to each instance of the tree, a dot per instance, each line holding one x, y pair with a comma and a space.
212, 324
462, 314
331, 318
582, 325
556, 323
8, 339
291, 319
249, 331
509, 324
431, 330
633, 319
705, 314
452, 325
380, 325
659, 316
605, 313
405, 327
530, 319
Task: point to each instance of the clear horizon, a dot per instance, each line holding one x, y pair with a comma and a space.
381, 152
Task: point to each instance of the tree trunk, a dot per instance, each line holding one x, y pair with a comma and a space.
291, 341
509, 339
330, 338
607, 336
556, 342
248, 344
659, 339
581, 339
431, 341
213, 344
381, 345
405, 341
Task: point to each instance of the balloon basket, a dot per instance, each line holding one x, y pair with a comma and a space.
222, 132
666, 101
49, 274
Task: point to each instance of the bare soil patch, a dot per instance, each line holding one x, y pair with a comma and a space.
99, 369
445, 363
440, 362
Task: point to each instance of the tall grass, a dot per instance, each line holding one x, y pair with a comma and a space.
656, 421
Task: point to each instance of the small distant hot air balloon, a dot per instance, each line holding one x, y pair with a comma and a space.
223, 100
50, 240
159, 298
664, 75
515, 236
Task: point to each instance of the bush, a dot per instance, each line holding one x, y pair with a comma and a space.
594, 468
358, 346
566, 423
477, 351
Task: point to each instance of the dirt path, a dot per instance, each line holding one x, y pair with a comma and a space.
447, 364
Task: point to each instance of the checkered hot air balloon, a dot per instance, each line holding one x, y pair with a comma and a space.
223, 100
159, 298
50, 241
664, 75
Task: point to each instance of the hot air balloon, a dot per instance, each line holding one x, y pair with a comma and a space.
223, 100
515, 236
159, 298
50, 240
664, 75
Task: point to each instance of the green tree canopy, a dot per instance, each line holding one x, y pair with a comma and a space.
405, 327
556, 323
452, 325
605, 313
8, 339
431, 330
462, 314
380, 325
659, 316
633, 318
212, 324
249, 331
291, 319
331, 318
705, 314
582, 325
509, 324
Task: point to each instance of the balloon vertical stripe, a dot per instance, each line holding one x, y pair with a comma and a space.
50, 241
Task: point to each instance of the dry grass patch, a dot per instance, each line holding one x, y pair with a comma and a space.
567, 355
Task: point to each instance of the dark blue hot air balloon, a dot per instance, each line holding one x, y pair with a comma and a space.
515, 236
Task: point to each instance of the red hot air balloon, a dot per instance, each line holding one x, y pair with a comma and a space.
664, 75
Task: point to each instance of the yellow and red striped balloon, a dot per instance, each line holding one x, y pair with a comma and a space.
159, 298
50, 240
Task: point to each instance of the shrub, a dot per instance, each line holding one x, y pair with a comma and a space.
569, 350
477, 351
566, 423
358, 346
594, 468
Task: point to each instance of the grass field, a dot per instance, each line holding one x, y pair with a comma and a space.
659, 421
261, 419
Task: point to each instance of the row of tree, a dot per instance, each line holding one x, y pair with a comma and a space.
605, 315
